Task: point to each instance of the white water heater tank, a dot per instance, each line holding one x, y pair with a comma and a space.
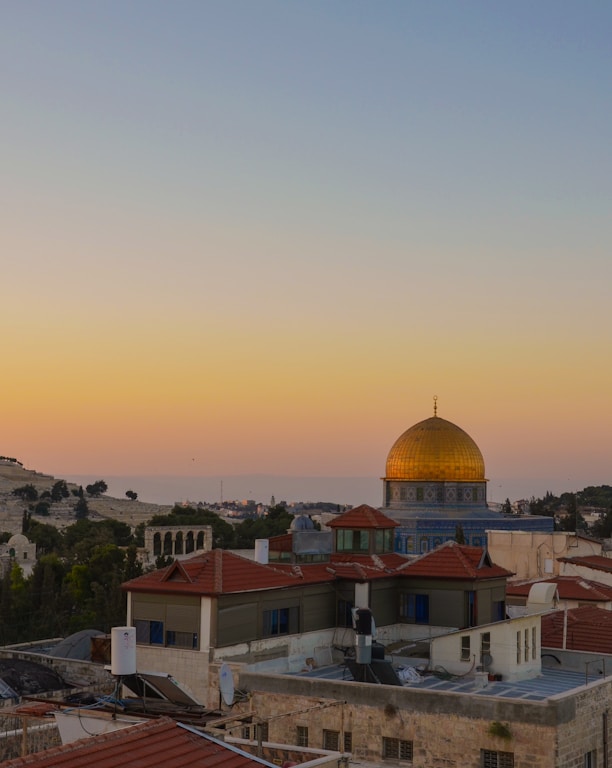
262, 551
123, 651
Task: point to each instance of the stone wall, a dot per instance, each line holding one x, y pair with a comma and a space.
445, 729
189, 668
79, 673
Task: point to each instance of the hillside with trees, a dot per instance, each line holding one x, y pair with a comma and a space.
568, 507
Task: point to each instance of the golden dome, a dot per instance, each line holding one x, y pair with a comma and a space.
436, 450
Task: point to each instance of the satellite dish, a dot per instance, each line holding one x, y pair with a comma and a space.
226, 684
486, 660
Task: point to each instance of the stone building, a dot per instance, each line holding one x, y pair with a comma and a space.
177, 541
19, 549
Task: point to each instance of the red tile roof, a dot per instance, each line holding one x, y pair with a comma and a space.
568, 587
220, 572
455, 561
588, 629
212, 573
596, 562
347, 566
153, 744
363, 516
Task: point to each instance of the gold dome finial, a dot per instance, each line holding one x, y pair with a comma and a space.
435, 405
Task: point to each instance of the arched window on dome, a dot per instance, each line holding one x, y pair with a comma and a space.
157, 544
168, 543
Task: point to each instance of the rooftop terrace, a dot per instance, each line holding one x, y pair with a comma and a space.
550, 683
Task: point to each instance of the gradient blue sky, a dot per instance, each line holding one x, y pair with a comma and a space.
263, 235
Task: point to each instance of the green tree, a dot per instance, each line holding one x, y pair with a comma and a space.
42, 508
573, 520
26, 492
81, 509
46, 537
95, 489
602, 528
46, 597
60, 491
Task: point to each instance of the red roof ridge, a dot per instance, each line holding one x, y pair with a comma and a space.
217, 571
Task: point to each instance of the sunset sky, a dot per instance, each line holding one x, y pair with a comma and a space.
259, 236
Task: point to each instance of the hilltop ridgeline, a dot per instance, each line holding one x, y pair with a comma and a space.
61, 512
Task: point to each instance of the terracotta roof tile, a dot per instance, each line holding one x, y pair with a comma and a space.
222, 572
363, 516
568, 587
596, 562
212, 573
153, 744
588, 629
455, 561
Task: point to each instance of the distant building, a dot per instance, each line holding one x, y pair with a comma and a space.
176, 541
20, 550
435, 485
531, 555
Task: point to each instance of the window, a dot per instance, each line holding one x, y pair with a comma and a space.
331, 740
489, 758
518, 647
466, 653
383, 540
485, 648
533, 642
149, 632
396, 749
280, 621
419, 494
262, 732
352, 541
471, 608
499, 610
182, 639
345, 613
348, 741
590, 760
415, 608
526, 645
302, 736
